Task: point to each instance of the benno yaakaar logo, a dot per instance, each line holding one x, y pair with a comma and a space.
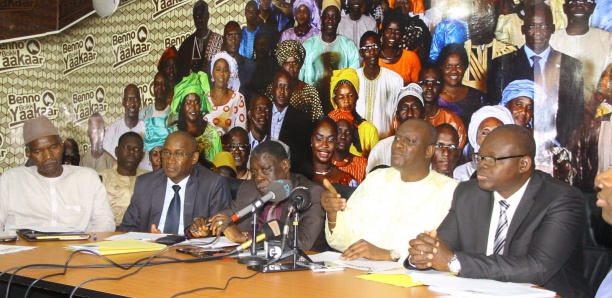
131, 45
79, 54
2, 151
88, 102
164, 6
24, 107
21, 55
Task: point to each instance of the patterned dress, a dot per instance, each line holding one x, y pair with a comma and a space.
225, 117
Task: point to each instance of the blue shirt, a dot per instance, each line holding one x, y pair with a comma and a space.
247, 42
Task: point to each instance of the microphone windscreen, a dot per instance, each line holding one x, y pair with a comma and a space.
272, 229
300, 197
280, 188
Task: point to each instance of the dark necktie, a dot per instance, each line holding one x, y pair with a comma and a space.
173, 216
537, 70
502, 227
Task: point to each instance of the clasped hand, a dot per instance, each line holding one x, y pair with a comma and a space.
428, 251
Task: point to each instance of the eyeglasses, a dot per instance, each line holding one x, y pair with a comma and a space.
369, 48
429, 83
490, 160
544, 27
131, 148
177, 155
232, 147
448, 147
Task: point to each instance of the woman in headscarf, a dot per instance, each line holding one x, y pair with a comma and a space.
307, 16
156, 133
392, 56
167, 65
304, 97
344, 96
323, 141
518, 97
342, 158
190, 104
485, 120
228, 108
455, 96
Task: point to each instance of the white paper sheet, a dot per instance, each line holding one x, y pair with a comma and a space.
360, 264
469, 287
201, 242
137, 236
7, 249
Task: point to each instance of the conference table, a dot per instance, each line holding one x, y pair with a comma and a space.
169, 279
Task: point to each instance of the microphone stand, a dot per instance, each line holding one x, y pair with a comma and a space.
295, 251
253, 259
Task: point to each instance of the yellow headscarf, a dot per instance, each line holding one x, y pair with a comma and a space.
345, 74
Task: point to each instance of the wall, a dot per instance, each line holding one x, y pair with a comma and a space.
70, 75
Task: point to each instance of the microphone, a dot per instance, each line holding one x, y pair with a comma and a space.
299, 200
275, 192
270, 231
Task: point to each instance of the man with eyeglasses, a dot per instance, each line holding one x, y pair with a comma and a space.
512, 224
119, 181
168, 201
592, 46
236, 142
378, 86
447, 151
129, 122
430, 80
560, 74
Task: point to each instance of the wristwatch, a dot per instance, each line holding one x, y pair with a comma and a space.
395, 255
454, 266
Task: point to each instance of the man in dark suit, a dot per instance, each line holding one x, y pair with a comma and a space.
169, 200
290, 125
560, 74
512, 224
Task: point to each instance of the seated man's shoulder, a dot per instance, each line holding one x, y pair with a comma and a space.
554, 187
80, 171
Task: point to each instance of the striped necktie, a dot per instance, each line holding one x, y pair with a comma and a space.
502, 227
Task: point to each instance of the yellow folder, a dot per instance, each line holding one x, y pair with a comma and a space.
118, 247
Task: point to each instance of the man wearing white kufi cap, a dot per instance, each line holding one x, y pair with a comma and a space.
50, 194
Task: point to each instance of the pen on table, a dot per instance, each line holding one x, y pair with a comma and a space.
95, 237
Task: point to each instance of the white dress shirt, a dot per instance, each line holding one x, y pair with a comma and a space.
168, 199
513, 200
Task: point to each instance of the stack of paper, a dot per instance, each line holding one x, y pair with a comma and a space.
360, 264
468, 287
7, 249
118, 247
205, 242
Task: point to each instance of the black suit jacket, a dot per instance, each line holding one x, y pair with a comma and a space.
543, 242
295, 132
206, 194
516, 66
